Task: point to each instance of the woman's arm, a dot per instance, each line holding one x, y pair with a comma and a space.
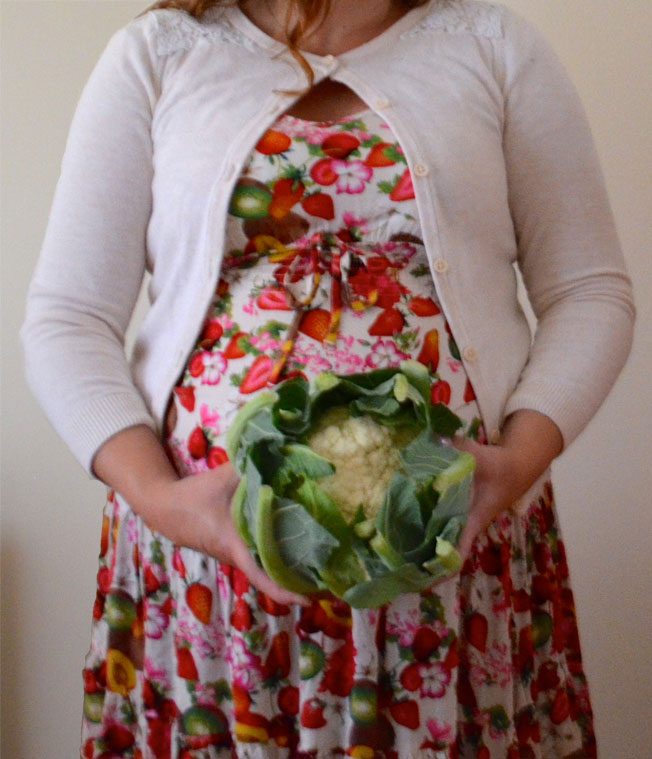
93, 257
194, 512
529, 442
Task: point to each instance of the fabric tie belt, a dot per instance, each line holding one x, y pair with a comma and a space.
323, 254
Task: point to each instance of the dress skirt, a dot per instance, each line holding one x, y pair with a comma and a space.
187, 659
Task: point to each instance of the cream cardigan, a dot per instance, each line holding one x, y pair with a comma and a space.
505, 172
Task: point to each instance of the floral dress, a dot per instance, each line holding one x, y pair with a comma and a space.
188, 660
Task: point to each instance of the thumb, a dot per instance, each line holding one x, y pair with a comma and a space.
466, 444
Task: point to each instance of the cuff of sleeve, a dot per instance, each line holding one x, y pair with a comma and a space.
101, 418
558, 403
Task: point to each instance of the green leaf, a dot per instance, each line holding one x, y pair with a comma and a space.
381, 590
300, 461
381, 405
246, 413
240, 513
425, 457
323, 508
291, 412
443, 421
399, 519
301, 540
269, 551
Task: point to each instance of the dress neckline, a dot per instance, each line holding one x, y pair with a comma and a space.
364, 112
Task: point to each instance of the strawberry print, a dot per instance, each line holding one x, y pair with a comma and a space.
186, 648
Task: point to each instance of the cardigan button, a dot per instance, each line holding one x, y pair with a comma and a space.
441, 266
329, 59
421, 170
382, 103
470, 354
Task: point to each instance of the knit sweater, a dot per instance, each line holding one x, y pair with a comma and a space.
505, 174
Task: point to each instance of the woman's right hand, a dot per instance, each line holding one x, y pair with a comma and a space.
194, 512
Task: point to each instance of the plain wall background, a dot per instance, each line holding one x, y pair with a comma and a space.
51, 512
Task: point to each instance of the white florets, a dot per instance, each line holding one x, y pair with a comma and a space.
365, 457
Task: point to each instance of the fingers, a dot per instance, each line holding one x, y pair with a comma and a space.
244, 560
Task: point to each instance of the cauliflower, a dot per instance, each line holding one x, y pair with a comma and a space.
365, 456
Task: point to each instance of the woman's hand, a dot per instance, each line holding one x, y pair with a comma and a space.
504, 472
194, 512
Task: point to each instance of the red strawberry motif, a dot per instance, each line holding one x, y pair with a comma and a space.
404, 189
240, 582
216, 457
104, 578
389, 291
378, 157
490, 560
233, 349
440, 392
200, 601
406, 713
411, 677
118, 739
429, 353
287, 192
273, 142
186, 396
542, 589
340, 145
177, 563
425, 642
312, 713
340, 670
469, 393
186, 667
197, 443
98, 606
465, 692
270, 606
152, 583
322, 172
388, 322
424, 307
476, 630
315, 323
277, 664
241, 618
196, 365
560, 709
547, 677
241, 699
273, 298
211, 333
521, 600
319, 204
281, 730
257, 376
288, 700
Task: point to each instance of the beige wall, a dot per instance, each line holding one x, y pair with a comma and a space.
51, 511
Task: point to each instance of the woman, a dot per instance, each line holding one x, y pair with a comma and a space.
440, 143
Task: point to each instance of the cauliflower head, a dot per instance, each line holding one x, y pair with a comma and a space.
365, 455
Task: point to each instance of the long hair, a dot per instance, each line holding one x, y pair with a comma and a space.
308, 13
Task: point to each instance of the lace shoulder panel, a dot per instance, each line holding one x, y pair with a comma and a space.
178, 30
462, 17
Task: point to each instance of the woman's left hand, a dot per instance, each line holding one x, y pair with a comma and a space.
504, 472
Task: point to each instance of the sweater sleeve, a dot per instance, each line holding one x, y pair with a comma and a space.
568, 249
92, 260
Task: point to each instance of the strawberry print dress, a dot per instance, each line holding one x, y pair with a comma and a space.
325, 270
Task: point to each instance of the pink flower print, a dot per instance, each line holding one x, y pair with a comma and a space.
214, 367
435, 679
384, 353
244, 664
210, 418
351, 220
156, 675
440, 732
156, 620
351, 175
250, 307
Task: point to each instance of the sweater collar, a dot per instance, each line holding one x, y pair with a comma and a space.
234, 15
